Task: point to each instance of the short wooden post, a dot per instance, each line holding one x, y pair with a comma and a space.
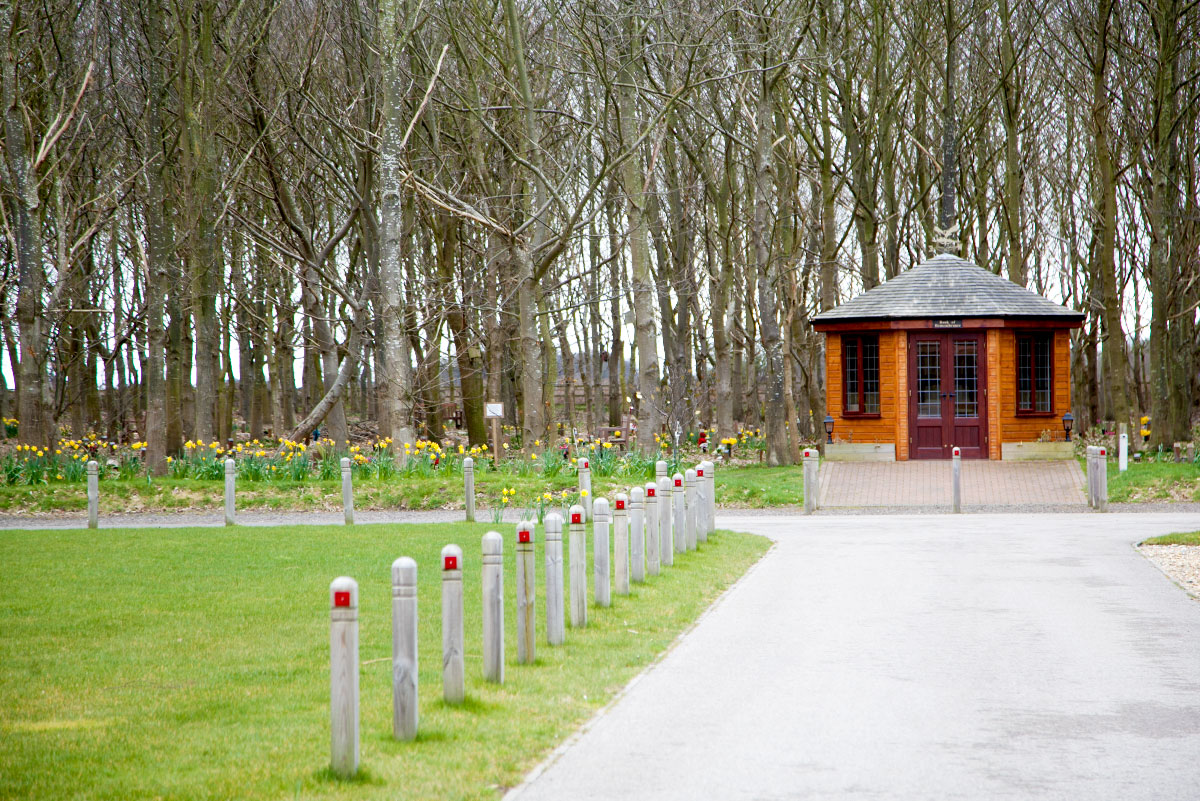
343, 676
493, 607
405, 704
585, 487
678, 524
1191, 453
621, 542
93, 493
690, 507
526, 595
653, 535
710, 495
469, 487
704, 486
1123, 452
600, 565
230, 478
454, 675
812, 479
956, 479
556, 632
637, 535
660, 470
666, 553
1102, 479
347, 492
578, 560
1090, 461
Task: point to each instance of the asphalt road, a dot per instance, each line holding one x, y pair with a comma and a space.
980, 656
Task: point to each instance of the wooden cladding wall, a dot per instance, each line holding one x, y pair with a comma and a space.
883, 428
1028, 428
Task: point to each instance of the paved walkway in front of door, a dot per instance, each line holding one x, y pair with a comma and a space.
927, 483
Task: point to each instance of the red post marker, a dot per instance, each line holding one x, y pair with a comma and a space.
576, 517
450, 563
679, 482
620, 504
650, 492
523, 535
1103, 451
957, 452
341, 599
700, 473
585, 464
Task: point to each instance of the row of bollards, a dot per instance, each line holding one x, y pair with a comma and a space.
645, 524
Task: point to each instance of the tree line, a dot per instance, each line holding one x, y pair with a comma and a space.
297, 214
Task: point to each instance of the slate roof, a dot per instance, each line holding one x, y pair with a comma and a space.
947, 287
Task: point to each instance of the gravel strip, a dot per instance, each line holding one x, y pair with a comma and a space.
1181, 563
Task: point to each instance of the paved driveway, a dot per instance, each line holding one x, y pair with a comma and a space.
927, 483
989, 656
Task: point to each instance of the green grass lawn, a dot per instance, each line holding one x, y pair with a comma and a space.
1182, 538
758, 486
1153, 481
193, 663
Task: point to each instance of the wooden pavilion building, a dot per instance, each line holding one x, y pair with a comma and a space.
947, 354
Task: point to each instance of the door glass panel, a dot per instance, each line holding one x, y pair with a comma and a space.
966, 379
929, 379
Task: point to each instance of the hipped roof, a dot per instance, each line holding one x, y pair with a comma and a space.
947, 287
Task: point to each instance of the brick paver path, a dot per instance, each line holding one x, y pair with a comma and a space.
927, 483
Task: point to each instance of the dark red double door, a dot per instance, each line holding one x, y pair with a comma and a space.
947, 401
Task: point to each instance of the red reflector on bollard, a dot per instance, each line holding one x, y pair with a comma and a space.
1103, 452
679, 482
700, 473
649, 492
341, 599
522, 536
585, 462
620, 504
576, 517
451, 563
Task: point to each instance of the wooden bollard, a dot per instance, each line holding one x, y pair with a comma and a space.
343, 676
621, 543
689, 504
1123, 451
469, 487
666, 547
812, 479
556, 632
702, 507
678, 525
710, 495
578, 560
454, 675
653, 535
1090, 461
600, 566
347, 492
956, 479
230, 478
585, 487
1102, 479
526, 595
405, 704
637, 535
93, 493
493, 607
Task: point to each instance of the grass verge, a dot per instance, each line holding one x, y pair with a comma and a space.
758, 486
1180, 538
1154, 482
193, 663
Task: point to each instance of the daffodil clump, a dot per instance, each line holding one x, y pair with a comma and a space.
67, 460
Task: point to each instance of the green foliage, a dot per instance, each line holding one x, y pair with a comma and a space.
1180, 538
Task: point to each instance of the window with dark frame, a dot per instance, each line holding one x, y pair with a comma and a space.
860, 370
1035, 374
